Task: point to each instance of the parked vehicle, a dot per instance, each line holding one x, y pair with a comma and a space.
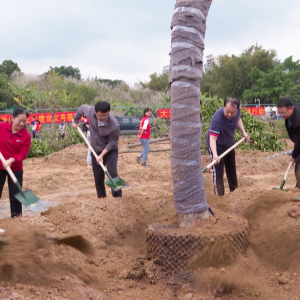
129, 124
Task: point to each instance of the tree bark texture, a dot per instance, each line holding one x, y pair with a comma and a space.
188, 31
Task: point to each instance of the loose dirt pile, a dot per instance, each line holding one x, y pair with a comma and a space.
33, 268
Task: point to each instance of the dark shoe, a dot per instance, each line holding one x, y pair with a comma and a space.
138, 159
145, 165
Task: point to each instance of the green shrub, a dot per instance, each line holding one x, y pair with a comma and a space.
159, 127
51, 142
39, 148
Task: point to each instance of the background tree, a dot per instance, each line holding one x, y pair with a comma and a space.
54, 95
231, 77
269, 86
6, 92
110, 82
66, 71
294, 93
8, 67
157, 82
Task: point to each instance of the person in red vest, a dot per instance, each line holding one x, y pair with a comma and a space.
38, 129
144, 136
15, 143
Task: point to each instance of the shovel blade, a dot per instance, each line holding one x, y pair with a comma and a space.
31, 201
117, 184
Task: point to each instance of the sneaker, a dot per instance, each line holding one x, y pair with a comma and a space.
89, 166
145, 165
138, 159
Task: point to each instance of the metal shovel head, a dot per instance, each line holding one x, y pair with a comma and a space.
31, 201
117, 183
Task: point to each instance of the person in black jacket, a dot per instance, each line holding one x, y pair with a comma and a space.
291, 114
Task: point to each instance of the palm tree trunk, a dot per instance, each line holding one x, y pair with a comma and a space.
188, 30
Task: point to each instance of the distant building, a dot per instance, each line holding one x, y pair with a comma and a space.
166, 69
210, 59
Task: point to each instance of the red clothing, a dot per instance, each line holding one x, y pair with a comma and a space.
14, 145
38, 126
146, 134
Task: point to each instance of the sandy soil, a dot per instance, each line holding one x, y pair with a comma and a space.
32, 267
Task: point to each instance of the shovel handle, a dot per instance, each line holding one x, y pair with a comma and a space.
8, 169
224, 153
287, 171
89, 145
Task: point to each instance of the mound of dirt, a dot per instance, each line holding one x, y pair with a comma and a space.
33, 268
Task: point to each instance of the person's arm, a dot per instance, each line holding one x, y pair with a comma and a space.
241, 128
213, 147
83, 110
113, 139
143, 129
142, 132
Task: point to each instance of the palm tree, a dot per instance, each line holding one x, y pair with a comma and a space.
188, 31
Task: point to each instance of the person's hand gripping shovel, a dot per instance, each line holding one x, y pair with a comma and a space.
223, 154
114, 183
27, 198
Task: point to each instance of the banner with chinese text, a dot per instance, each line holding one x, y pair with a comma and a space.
46, 118
164, 113
256, 111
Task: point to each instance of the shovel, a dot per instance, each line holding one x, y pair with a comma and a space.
223, 154
116, 183
27, 198
284, 178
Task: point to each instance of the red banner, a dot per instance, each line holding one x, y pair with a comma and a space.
256, 111
46, 118
164, 113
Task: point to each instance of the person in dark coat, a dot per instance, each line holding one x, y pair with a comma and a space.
291, 114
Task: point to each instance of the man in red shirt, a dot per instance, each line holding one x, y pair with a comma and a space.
144, 136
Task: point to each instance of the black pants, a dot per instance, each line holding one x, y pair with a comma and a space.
110, 160
297, 171
228, 161
15, 204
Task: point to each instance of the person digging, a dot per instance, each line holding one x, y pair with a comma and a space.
291, 114
104, 137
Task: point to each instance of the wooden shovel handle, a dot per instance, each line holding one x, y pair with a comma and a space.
287, 171
8, 169
224, 153
89, 145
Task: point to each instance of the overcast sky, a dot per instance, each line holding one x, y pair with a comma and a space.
130, 40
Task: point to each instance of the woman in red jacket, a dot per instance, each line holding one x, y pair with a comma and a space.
14, 145
144, 136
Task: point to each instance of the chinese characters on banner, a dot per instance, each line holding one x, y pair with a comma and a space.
46, 118
256, 111
164, 113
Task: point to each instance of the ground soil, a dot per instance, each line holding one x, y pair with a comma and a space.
32, 267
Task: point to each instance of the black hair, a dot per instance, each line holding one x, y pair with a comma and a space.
38, 121
62, 119
146, 110
102, 106
33, 117
20, 111
232, 101
1, 120
285, 102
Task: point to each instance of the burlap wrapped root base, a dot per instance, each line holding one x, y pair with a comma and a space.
214, 242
